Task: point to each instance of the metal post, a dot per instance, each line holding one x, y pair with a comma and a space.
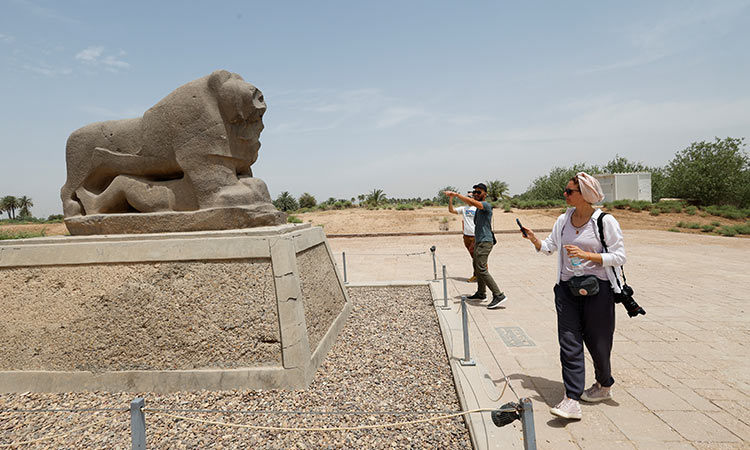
467, 361
445, 291
343, 256
137, 424
527, 423
434, 263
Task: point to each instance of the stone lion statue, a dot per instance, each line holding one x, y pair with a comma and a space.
192, 152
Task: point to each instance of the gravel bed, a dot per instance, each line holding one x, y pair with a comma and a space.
388, 358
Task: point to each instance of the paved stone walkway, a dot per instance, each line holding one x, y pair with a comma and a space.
682, 371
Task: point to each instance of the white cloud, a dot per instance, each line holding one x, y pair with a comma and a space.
107, 113
47, 70
654, 39
92, 56
6, 38
46, 13
397, 115
326, 109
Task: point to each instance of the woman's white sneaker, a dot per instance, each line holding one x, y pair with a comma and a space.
567, 409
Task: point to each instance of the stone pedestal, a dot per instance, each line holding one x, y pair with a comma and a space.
242, 309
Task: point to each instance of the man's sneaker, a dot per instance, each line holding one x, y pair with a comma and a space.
567, 409
497, 300
596, 393
473, 279
477, 296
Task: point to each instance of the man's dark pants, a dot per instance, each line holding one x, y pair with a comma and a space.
484, 279
590, 321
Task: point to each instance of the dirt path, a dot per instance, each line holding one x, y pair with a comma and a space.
436, 219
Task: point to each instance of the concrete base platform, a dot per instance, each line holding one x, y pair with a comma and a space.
242, 309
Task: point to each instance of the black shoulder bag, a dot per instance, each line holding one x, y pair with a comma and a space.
625, 296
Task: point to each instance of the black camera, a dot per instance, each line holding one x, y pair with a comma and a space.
508, 413
626, 298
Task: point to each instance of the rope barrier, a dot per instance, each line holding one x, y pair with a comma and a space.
387, 254
353, 428
64, 410
322, 413
14, 444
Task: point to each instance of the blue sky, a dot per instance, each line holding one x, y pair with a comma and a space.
404, 96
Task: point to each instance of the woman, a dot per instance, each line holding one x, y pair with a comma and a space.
584, 317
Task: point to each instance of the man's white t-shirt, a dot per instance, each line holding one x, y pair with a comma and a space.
468, 213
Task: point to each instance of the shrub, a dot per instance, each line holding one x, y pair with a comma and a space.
293, 219
306, 200
655, 212
691, 210
707, 228
6, 235
742, 228
621, 204
727, 231
716, 223
674, 230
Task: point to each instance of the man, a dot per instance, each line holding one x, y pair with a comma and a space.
467, 212
483, 242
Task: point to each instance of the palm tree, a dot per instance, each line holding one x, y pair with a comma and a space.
285, 202
25, 203
496, 189
376, 197
9, 204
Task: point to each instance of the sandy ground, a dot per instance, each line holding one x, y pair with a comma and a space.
430, 219
436, 219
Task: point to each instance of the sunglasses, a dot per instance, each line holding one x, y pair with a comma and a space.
570, 191
476, 192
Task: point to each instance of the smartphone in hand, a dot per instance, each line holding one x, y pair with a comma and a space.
521, 227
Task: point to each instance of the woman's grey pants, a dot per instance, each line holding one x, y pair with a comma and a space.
590, 321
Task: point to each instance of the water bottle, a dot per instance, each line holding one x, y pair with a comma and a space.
577, 267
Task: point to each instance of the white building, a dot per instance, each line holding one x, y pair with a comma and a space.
625, 186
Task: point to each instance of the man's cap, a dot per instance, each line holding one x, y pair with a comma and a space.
481, 186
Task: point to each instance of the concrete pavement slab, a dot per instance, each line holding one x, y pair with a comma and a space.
688, 353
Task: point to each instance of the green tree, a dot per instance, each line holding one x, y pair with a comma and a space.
550, 186
25, 203
306, 200
496, 189
441, 198
285, 202
622, 165
712, 173
9, 205
376, 197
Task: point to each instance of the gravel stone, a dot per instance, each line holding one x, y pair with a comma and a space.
388, 358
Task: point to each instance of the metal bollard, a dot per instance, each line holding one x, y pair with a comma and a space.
137, 424
467, 361
343, 256
445, 291
527, 423
434, 263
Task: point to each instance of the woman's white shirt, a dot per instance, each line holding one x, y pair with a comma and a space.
615, 257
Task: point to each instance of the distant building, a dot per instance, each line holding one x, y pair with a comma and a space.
625, 186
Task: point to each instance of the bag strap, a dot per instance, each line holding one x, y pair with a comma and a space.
600, 225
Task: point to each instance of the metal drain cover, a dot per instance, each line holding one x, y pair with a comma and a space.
514, 337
